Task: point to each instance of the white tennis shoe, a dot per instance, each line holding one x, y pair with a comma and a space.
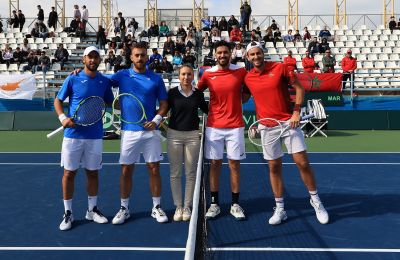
187, 213
320, 212
159, 214
278, 216
121, 216
66, 223
96, 216
178, 216
213, 211
237, 212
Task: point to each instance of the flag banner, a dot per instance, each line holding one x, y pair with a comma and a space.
321, 82
17, 86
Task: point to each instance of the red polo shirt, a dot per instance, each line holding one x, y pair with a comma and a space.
290, 63
225, 109
308, 64
349, 64
270, 90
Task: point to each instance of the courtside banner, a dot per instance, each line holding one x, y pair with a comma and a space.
321, 82
17, 86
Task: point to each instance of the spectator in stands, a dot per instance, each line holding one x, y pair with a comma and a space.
122, 26
277, 35
392, 24
207, 40
43, 62
167, 66
289, 36
290, 62
8, 56
349, 65
35, 31
223, 24
32, 61
43, 31
110, 60
245, 12
258, 32
235, 35
60, 56
73, 26
254, 37
313, 47
214, 22
133, 26
80, 30
238, 54
191, 28
153, 30
101, 38
188, 58
21, 19
325, 33
1, 26
40, 15
154, 56
269, 36
156, 66
18, 57
181, 32
308, 63
190, 41
77, 12
273, 25
14, 21
180, 45
232, 22
207, 24
53, 18
328, 62
113, 44
120, 61
398, 24
169, 47
85, 15
177, 60
25, 47
324, 46
215, 32
306, 34
297, 37
164, 29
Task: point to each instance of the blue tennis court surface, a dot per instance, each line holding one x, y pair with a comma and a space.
360, 191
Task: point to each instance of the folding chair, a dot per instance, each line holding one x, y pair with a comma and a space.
319, 123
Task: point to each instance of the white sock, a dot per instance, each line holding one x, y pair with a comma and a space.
314, 196
92, 202
125, 203
156, 201
68, 205
280, 203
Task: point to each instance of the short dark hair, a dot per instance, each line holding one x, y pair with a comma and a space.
140, 45
220, 44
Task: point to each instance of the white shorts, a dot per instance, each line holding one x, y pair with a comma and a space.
85, 152
292, 138
232, 138
135, 142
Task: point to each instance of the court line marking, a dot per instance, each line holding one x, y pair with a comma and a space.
77, 248
355, 250
242, 163
179, 249
224, 152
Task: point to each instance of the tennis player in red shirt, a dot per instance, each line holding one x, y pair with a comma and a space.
268, 83
225, 125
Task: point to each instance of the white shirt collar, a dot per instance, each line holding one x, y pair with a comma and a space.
183, 93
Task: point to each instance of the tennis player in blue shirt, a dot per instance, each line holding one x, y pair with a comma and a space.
149, 88
82, 145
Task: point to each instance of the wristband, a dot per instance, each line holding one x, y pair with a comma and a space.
157, 119
62, 117
297, 108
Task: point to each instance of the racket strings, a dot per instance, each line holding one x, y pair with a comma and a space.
90, 111
131, 110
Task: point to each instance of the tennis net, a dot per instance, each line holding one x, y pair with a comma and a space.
196, 245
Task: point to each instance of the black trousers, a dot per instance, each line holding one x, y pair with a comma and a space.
346, 76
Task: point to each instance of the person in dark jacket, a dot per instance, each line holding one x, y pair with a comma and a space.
14, 21
40, 15
101, 38
21, 19
53, 18
245, 12
61, 55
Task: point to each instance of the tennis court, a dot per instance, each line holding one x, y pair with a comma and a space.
359, 189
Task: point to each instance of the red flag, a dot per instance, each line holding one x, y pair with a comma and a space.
321, 82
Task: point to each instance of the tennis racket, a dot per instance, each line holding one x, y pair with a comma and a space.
130, 110
89, 111
267, 131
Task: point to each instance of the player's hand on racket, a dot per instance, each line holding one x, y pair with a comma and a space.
295, 120
68, 123
150, 125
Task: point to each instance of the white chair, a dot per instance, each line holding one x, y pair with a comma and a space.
319, 123
13, 67
3, 67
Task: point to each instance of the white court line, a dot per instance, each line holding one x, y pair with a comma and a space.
179, 249
224, 152
242, 163
94, 248
300, 249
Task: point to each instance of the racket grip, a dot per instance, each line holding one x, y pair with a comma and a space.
55, 132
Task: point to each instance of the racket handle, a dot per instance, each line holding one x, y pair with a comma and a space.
55, 132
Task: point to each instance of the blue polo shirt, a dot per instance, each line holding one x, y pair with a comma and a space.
77, 88
148, 87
